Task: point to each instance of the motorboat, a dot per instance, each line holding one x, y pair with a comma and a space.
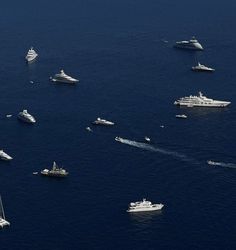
4, 156
117, 138
147, 139
200, 101
89, 129
9, 116
192, 44
63, 77
181, 116
31, 55
143, 206
201, 67
55, 171
3, 221
26, 117
104, 122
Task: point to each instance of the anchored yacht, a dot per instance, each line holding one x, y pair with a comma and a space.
31, 55
63, 77
201, 67
55, 171
192, 44
143, 206
4, 156
100, 121
26, 117
200, 101
3, 221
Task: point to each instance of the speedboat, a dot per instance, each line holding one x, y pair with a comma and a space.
117, 138
192, 44
26, 117
89, 129
63, 77
55, 171
9, 116
201, 67
147, 139
100, 121
4, 156
143, 206
200, 101
181, 116
31, 55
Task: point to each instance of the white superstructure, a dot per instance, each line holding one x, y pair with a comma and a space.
200, 101
31, 55
3, 221
63, 77
100, 121
201, 67
143, 206
4, 156
192, 44
26, 117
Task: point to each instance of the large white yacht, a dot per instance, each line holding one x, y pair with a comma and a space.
100, 121
200, 101
201, 67
192, 44
63, 77
31, 55
4, 156
26, 117
143, 206
3, 221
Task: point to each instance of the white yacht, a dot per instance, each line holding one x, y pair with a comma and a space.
4, 156
55, 171
201, 67
100, 121
192, 44
3, 221
183, 116
26, 117
143, 206
200, 101
31, 55
63, 77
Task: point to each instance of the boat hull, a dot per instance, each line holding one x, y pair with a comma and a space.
221, 105
159, 207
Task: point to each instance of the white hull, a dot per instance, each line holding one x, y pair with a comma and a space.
31, 59
217, 105
64, 81
5, 157
4, 223
136, 210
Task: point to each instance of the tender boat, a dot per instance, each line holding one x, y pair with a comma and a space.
89, 129
200, 101
31, 55
147, 139
192, 44
181, 116
26, 117
104, 122
143, 206
9, 116
117, 138
201, 67
55, 171
63, 77
3, 221
4, 156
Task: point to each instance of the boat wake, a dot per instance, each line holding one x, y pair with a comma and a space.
222, 164
152, 148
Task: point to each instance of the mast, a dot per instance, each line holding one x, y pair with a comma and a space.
1, 207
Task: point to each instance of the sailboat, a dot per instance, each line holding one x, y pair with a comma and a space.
3, 221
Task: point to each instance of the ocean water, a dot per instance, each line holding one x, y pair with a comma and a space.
128, 75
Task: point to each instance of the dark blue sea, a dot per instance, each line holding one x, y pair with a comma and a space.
122, 52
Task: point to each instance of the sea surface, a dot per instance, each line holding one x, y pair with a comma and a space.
122, 52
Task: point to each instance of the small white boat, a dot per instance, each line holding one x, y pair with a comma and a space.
4, 156
89, 129
63, 77
162, 126
201, 67
3, 221
143, 206
26, 117
35, 173
117, 138
181, 116
100, 121
8, 116
147, 139
31, 55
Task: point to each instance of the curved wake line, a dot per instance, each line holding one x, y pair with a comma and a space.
155, 149
223, 164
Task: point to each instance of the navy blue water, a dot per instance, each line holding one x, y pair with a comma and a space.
131, 75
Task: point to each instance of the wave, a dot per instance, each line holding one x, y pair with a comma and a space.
153, 148
222, 164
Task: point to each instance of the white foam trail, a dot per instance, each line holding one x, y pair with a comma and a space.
222, 164
154, 149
